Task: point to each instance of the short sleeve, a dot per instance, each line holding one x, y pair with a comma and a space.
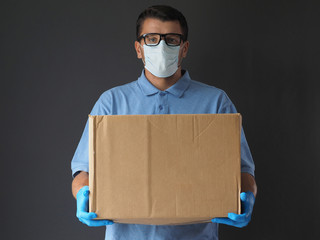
247, 164
80, 160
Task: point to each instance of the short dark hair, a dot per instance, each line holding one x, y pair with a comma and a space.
163, 13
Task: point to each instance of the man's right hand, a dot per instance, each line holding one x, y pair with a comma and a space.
82, 210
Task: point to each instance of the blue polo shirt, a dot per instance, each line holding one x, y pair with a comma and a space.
140, 97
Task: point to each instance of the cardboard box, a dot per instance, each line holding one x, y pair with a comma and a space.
164, 169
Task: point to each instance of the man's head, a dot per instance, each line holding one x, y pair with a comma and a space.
159, 23
164, 14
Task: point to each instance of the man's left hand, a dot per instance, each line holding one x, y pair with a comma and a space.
239, 220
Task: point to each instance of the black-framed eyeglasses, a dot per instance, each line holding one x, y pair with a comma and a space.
153, 39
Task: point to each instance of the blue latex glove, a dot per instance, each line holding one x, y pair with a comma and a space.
239, 220
82, 210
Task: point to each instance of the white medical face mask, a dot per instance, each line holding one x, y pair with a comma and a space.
161, 60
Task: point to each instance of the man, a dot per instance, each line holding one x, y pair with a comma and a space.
162, 88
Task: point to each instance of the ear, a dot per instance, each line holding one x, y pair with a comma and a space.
185, 49
137, 46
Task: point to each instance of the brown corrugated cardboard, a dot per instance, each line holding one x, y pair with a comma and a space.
164, 169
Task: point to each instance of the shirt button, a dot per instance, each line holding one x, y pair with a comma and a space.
162, 94
160, 107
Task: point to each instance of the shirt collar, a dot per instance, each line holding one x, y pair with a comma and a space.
177, 89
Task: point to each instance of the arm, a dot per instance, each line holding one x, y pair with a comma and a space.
248, 183
81, 180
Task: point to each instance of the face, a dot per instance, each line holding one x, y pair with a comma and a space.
151, 25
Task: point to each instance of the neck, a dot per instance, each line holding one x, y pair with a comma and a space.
163, 83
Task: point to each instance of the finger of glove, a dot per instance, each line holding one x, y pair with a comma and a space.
222, 220
109, 222
238, 217
83, 190
86, 215
96, 223
247, 202
243, 196
229, 222
83, 200
247, 197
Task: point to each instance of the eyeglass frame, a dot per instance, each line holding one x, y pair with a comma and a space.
182, 39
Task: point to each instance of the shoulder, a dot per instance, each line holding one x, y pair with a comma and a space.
213, 95
207, 90
122, 89
109, 100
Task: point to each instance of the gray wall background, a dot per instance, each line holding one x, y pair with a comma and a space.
57, 57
